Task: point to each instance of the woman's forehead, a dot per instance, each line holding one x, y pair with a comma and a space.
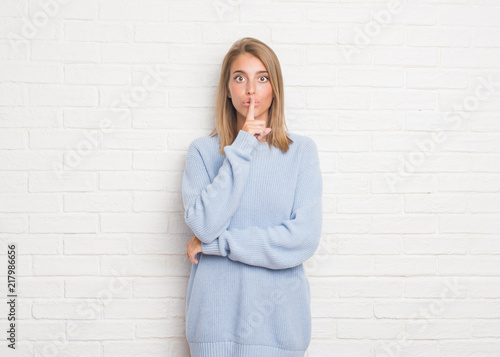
247, 62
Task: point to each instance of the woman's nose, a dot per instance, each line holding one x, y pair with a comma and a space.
250, 89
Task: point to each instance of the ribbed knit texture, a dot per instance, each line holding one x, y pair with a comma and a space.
258, 213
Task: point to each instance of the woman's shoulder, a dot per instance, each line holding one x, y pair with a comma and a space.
306, 149
209, 145
205, 140
302, 141
204, 144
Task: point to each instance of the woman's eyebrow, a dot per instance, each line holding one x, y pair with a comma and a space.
246, 73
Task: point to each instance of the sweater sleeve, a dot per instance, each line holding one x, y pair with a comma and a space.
209, 206
286, 245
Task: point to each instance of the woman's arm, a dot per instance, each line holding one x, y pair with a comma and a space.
288, 244
209, 206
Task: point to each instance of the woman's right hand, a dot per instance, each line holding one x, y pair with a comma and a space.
255, 127
192, 248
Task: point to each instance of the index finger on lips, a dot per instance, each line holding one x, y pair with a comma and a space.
251, 109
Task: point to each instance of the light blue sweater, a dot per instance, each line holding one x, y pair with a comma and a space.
258, 213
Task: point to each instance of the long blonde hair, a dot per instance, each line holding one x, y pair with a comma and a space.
225, 113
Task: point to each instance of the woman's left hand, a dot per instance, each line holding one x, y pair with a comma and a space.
193, 247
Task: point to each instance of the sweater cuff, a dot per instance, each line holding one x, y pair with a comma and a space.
211, 248
244, 142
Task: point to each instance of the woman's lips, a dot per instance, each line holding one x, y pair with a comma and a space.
247, 104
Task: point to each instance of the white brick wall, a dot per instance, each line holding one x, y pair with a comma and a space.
100, 99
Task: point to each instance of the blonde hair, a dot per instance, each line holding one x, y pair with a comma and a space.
225, 113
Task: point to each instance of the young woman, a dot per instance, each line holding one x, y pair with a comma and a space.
252, 196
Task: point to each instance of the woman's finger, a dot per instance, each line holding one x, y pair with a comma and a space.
251, 109
266, 131
193, 260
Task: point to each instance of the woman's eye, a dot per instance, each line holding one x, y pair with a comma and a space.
267, 78
236, 78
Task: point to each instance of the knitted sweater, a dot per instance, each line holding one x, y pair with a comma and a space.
258, 213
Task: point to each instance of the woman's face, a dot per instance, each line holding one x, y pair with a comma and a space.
249, 77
